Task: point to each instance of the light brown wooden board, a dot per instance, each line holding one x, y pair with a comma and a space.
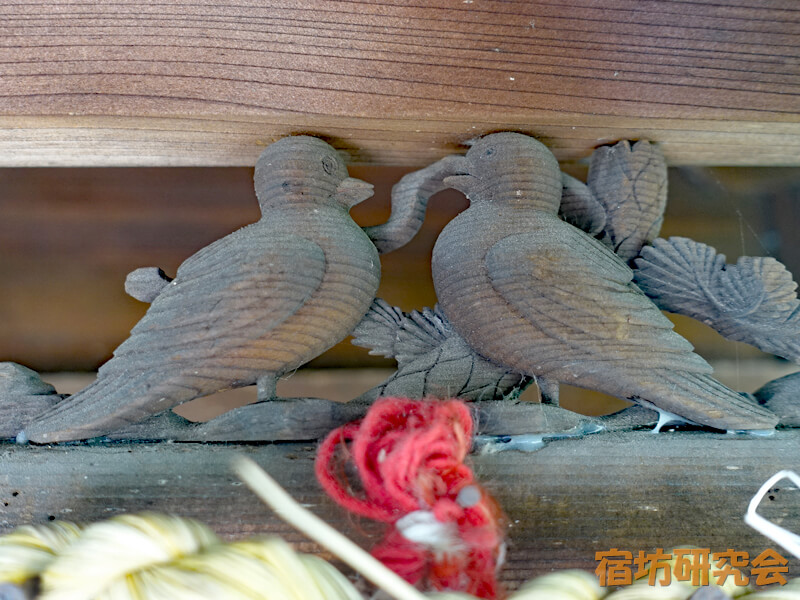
181, 83
633, 491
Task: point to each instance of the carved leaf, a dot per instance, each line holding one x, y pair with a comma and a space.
754, 301
452, 369
379, 328
630, 182
676, 275
432, 359
421, 332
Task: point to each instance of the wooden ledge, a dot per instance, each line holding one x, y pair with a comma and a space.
177, 83
633, 491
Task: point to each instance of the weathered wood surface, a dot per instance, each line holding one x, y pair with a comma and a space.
753, 301
341, 385
246, 309
633, 491
68, 237
302, 419
531, 292
179, 83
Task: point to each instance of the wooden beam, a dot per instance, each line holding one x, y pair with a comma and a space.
633, 491
180, 83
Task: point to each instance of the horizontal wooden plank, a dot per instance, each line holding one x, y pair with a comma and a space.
139, 82
633, 491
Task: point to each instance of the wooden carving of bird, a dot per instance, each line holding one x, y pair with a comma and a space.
622, 204
531, 292
251, 306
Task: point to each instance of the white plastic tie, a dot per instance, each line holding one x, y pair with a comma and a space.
785, 538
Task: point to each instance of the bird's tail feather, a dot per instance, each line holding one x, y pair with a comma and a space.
704, 400
106, 405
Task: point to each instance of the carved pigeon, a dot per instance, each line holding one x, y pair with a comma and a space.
432, 359
624, 198
253, 305
627, 182
754, 301
537, 295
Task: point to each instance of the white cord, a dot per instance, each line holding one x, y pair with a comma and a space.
318, 530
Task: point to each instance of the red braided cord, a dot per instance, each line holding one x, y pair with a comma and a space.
409, 456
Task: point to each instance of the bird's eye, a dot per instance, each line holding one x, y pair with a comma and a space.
329, 164
489, 152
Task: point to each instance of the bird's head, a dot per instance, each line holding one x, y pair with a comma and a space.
305, 169
510, 168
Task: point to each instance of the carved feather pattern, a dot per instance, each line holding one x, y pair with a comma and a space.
535, 294
754, 301
580, 300
421, 332
379, 328
432, 359
251, 306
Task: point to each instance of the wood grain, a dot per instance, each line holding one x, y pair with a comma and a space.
632, 491
135, 82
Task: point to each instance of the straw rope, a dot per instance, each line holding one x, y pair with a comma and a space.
151, 556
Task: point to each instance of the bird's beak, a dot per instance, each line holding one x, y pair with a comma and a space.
459, 177
351, 191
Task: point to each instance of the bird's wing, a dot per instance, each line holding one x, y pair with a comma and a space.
579, 207
630, 181
231, 292
754, 301
580, 296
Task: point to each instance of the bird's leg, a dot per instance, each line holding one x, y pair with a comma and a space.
548, 390
266, 386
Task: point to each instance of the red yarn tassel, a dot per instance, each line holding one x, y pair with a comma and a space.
445, 530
